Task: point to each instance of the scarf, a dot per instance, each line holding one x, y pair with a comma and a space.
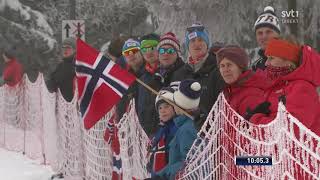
276, 72
151, 69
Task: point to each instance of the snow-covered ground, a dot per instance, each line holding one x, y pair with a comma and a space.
15, 166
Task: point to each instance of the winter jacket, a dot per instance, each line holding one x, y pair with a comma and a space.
211, 82
163, 77
133, 92
247, 92
299, 89
179, 146
159, 146
63, 78
12, 73
147, 113
146, 109
260, 62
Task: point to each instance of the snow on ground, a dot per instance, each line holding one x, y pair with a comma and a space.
15, 166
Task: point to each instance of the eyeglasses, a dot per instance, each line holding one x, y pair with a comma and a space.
195, 28
147, 49
167, 50
130, 52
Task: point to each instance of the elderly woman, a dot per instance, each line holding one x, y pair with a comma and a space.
294, 73
244, 89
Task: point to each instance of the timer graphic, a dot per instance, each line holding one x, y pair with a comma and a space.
253, 160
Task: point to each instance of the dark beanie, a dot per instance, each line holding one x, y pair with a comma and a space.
235, 54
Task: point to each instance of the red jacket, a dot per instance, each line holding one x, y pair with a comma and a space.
247, 92
12, 72
299, 88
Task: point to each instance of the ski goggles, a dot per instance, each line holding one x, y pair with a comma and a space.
130, 52
195, 28
167, 50
147, 49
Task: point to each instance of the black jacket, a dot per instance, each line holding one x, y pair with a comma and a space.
147, 113
133, 92
163, 79
260, 62
62, 78
211, 82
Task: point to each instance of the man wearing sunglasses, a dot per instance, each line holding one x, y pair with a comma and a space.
135, 65
146, 110
170, 59
201, 66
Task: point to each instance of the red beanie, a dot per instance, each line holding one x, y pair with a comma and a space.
234, 54
283, 49
170, 39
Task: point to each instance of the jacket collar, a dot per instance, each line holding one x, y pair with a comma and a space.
209, 64
180, 120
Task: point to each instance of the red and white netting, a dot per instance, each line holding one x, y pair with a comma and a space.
47, 128
294, 149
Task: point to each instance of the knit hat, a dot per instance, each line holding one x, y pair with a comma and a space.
69, 42
170, 39
130, 44
188, 95
164, 93
197, 30
268, 19
235, 54
283, 49
149, 40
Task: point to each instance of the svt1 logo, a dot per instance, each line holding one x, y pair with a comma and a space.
290, 17
290, 13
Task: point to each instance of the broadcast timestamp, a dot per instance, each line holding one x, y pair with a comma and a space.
253, 161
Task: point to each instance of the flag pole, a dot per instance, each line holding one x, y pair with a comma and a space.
169, 102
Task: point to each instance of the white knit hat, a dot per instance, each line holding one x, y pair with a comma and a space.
164, 93
188, 95
268, 19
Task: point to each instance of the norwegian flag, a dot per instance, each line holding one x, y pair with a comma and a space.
101, 83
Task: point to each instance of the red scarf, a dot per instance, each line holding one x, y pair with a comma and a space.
197, 60
151, 69
275, 72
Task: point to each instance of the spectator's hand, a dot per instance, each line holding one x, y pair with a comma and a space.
260, 108
158, 77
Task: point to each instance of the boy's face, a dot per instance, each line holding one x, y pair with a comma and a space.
166, 112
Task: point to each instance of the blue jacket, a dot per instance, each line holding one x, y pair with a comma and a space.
179, 146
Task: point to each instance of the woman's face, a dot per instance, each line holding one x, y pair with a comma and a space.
230, 72
278, 62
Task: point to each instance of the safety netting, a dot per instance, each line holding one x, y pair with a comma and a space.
295, 150
45, 127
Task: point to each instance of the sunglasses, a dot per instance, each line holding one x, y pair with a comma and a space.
195, 28
147, 49
167, 50
130, 52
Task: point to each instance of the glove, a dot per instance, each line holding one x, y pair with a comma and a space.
260, 108
158, 77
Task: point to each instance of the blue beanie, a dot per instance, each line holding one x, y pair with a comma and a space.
203, 34
130, 44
